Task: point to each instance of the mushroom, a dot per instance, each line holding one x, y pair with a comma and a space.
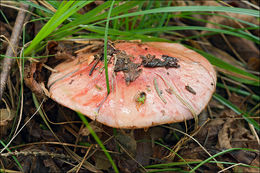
151, 83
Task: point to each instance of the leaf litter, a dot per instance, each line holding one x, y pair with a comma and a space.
225, 129
218, 133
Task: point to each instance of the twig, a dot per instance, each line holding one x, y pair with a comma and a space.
36, 153
11, 49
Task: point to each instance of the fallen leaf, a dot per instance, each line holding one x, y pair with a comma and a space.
127, 141
101, 161
30, 81
85, 131
223, 136
6, 117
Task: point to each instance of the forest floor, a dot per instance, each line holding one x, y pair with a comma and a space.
54, 139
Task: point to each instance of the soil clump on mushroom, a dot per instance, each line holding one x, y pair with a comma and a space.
130, 69
151, 61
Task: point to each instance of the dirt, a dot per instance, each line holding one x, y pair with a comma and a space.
131, 70
152, 62
191, 90
99, 56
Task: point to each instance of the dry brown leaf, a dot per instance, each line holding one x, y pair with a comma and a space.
4, 30
223, 56
88, 57
30, 81
255, 162
243, 48
223, 136
101, 161
253, 63
208, 134
6, 117
127, 141
144, 147
85, 131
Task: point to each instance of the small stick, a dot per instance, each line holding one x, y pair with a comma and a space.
36, 153
12, 47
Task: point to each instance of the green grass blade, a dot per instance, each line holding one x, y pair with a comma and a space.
249, 12
239, 91
236, 110
181, 158
166, 170
249, 78
65, 10
37, 6
54, 4
119, 35
86, 18
135, 19
175, 28
66, 31
105, 46
240, 30
218, 154
92, 132
15, 159
142, 20
189, 14
165, 165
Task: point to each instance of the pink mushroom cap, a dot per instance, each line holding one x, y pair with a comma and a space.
158, 95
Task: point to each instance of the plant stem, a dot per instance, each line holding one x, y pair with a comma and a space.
12, 47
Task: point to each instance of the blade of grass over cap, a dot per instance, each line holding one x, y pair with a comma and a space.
65, 10
105, 46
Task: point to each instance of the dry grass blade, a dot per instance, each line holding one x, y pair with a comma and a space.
191, 137
47, 5
84, 158
182, 101
86, 164
11, 140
